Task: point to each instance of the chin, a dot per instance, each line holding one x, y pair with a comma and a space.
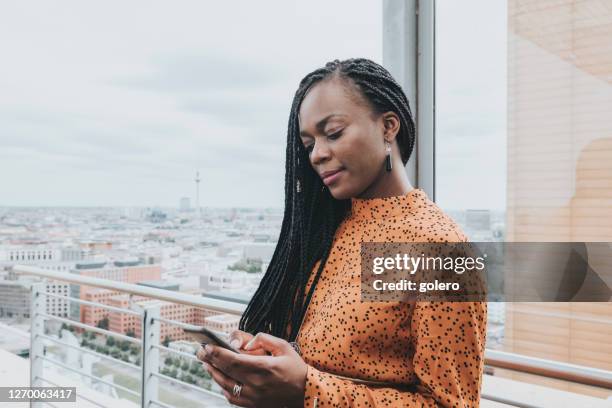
340, 192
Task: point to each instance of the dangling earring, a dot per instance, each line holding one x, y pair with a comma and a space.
388, 164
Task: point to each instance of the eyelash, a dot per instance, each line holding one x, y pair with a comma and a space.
333, 136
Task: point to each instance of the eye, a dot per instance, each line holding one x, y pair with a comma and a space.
335, 135
309, 148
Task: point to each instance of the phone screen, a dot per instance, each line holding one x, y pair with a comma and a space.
205, 336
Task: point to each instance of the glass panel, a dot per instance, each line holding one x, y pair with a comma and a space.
523, 149
471, 130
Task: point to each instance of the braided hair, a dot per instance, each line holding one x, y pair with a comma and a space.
311, 214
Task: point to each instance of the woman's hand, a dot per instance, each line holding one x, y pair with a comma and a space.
239, 339
267, 380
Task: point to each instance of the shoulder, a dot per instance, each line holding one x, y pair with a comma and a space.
429, 223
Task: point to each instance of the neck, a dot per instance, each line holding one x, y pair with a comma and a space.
388, 184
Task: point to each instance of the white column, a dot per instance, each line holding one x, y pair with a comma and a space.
150, 355
38, 306
409, 55
426, 89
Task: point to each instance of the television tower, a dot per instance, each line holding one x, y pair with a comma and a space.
197, 180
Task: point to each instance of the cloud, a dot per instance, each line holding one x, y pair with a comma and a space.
204, 73
97, 116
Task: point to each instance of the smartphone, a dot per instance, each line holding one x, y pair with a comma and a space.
204, 336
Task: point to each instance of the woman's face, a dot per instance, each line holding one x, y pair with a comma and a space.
344, 141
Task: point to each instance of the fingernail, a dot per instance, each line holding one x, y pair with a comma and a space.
207, 348
249, 345
205, 366
235, 343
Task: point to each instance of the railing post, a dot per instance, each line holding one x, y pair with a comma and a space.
150, 355
38, 306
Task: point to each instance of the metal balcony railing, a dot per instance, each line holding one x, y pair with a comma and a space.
148, 394
149, 342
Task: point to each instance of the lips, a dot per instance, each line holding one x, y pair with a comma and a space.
331, 176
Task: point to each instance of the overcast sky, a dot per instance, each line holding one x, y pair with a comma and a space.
119, 103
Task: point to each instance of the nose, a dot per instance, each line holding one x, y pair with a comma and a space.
320, 153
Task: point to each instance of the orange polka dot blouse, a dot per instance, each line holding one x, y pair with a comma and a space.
426, 354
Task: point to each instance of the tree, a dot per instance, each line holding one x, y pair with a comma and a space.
110, 341
166, 341
247, 265
103, 323
130, 333
173, 373
185, 366
254, 269
169, 361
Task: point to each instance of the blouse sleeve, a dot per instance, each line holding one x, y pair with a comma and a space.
449, 343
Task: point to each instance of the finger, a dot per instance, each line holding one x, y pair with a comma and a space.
255, 352
227, 385
235, 365
200, 354
272, 344
239, 401
238, 338
243, 339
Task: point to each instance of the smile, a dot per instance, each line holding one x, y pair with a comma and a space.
331, 178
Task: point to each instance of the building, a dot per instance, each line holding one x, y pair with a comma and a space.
96, 245
224, 323
161, 284
261, 251
123, 322
91, 315
50, 257
57, 306
28, 254
15, 297
236, 297
122, 271
229, 281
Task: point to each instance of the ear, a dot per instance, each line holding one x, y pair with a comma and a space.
391, 123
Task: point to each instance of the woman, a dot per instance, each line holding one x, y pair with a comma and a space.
350, 134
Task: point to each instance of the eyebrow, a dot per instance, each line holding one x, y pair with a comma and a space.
321, 124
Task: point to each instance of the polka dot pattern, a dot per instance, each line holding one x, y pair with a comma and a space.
427, 354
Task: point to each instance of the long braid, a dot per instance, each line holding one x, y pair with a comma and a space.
312, 215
